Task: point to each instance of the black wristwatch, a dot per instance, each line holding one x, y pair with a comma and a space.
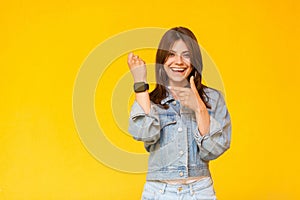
140, 87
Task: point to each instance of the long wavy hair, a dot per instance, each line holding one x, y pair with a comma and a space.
169, 38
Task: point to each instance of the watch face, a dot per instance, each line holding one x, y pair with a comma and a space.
140, 87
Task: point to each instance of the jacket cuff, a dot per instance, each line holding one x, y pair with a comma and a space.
137, 111
214, 127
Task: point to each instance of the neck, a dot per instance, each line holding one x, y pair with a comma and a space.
179, 84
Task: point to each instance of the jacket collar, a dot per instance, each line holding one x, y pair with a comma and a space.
169, 98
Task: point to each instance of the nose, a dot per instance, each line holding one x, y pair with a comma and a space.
178, 59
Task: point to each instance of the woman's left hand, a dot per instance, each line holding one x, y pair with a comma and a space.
190, 98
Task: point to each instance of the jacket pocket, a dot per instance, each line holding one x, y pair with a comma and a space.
167, 128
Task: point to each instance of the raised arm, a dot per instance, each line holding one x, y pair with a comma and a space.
139, 73
144, 121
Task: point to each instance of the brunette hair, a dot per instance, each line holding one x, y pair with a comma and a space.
165, 45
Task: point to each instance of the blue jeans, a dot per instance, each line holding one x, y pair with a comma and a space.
200, 190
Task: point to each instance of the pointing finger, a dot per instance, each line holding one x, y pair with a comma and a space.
177, 88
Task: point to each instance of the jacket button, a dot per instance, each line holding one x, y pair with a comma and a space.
174, 103
180, 173
179, 189
179, 129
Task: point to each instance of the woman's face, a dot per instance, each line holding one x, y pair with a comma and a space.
178, 64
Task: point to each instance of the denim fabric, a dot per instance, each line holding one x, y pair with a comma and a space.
200, 190
177, 150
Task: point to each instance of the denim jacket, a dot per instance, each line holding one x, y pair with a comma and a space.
177, 150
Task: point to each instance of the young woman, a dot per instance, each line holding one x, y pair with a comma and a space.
183, 123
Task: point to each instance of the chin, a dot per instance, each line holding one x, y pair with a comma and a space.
179, 81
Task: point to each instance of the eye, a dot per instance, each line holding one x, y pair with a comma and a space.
171, 54
186, 55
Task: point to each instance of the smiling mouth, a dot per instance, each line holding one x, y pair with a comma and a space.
180, 70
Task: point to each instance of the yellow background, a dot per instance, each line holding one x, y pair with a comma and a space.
255, 45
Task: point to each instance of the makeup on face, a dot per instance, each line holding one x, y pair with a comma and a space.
178, 64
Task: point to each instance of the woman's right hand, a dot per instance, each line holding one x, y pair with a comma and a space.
137, 68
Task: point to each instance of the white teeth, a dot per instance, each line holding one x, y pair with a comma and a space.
178, 69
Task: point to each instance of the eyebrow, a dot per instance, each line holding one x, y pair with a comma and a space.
172, 51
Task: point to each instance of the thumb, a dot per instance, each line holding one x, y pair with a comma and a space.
193, 86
